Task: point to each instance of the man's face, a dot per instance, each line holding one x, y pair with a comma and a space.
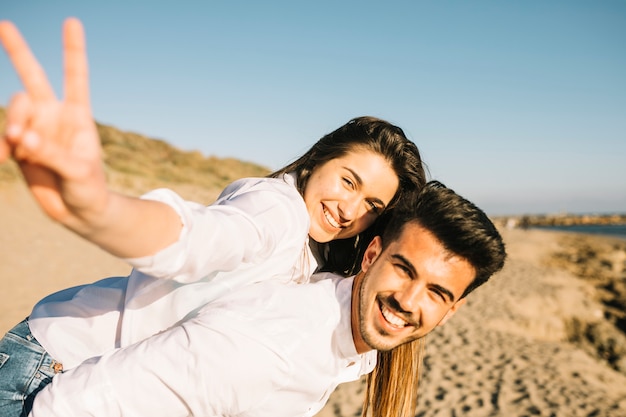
406, 290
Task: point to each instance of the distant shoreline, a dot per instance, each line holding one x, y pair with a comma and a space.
560, 220
607, 230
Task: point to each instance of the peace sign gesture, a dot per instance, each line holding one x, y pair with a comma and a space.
56, 144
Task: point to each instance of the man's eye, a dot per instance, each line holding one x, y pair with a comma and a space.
405, 271
439, 295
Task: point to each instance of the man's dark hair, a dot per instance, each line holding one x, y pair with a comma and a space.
462, 228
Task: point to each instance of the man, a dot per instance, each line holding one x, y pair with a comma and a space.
280, 350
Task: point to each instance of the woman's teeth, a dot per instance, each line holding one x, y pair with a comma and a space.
331, 220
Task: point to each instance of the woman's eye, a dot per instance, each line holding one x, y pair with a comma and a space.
348, 182
374, 207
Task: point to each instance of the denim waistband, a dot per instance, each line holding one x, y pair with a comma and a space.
22, 330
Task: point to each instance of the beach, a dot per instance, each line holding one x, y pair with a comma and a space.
541, 338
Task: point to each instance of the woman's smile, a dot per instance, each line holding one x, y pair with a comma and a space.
331, 219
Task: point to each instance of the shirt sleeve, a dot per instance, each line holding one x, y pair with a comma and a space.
251, 220
195, 369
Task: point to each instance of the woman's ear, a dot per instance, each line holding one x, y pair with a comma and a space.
371, 253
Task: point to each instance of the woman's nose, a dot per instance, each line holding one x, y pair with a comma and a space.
348, 208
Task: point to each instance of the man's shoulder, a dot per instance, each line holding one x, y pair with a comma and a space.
327, 277
273, 297
286, 319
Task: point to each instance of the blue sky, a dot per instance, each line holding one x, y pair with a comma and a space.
518, 105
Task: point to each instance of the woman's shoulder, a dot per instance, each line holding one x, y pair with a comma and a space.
274, 202
272, 187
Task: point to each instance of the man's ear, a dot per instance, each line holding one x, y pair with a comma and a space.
452, 311
371, 253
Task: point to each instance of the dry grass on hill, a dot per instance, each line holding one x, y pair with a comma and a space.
135, 164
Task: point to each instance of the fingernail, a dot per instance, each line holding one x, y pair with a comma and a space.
13, 131
31, 140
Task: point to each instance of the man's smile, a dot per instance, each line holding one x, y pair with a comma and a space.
390, 316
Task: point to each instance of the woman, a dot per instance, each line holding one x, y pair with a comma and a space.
184, 254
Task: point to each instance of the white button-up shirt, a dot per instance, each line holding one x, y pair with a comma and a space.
256, 230
266, 350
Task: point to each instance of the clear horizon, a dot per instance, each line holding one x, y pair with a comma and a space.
518, 106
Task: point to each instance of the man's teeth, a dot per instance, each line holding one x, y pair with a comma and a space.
392, 318
330, 219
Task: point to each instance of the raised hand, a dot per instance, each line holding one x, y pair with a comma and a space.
55, 142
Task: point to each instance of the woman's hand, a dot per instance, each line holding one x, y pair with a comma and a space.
55, 142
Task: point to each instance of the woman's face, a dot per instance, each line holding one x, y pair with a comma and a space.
345, 195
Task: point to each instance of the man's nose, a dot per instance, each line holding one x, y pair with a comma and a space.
409, 297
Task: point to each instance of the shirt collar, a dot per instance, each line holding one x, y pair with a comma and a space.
343, 334
345, 341
291, 179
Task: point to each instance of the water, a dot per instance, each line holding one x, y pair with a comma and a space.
613, 230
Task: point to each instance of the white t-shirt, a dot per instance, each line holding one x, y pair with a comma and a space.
256, 230
266, 350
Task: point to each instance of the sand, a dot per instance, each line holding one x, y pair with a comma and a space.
541, 338
38, 257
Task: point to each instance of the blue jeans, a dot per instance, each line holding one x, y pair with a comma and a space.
25, 369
